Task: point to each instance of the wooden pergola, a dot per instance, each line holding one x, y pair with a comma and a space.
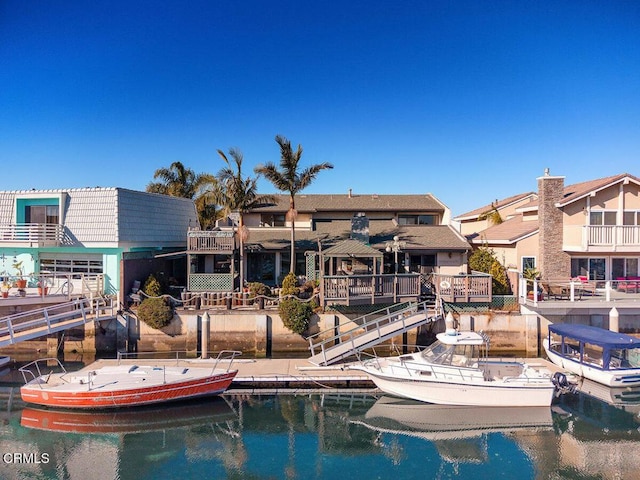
353, 256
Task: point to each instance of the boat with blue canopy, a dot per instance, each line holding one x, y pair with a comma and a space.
607, 357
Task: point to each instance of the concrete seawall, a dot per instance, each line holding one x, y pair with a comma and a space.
261, 334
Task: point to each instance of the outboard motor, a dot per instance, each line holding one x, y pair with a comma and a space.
562, 384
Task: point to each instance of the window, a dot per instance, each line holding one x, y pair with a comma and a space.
602, 218
528, 263
624, 267
285, 261
593, 268
417, 219
272, 220
422, 263
42, 214
74, 266
631, 218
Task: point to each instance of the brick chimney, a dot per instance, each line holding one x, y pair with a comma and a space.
553, 262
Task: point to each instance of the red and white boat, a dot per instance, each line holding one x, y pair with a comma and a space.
125, 385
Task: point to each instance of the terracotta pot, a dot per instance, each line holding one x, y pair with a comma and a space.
5, 294
46, 290
21, 283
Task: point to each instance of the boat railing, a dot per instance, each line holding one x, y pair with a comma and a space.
32, 371
405, 364
181, 356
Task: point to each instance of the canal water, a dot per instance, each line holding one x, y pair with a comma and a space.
324, 434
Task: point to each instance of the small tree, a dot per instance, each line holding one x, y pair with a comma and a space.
484, 260
152, 287
500, 283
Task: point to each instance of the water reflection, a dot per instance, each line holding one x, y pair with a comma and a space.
330, 435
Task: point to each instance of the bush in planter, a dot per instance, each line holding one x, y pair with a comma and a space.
295, 314
155, 312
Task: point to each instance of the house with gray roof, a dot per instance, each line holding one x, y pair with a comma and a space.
419, 224
99, 232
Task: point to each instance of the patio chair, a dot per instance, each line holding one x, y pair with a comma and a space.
557, 292
134, 296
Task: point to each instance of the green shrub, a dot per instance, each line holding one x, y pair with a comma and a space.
295, 314
290, 285
155, 312
257, 288
152, 287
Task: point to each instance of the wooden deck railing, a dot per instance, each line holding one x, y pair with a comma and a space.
210, 241
349, 288
475, 287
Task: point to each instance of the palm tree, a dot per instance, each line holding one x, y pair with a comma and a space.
239, 195
289, 179
179, 181
492, 215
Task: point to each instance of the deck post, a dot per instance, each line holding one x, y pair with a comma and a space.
205, 335
614, 320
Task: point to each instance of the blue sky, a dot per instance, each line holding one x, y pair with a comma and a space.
468, 100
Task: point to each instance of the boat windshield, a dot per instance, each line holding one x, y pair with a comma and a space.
622, 358
443, 354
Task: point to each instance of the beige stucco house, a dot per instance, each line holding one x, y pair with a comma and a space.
587, 229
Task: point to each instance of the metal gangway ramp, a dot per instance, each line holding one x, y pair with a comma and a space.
368, 330
36, 323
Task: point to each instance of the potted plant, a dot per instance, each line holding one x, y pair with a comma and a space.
6, 286
42, 286
21, 282
531, 274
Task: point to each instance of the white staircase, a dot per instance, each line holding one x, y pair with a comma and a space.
367, 331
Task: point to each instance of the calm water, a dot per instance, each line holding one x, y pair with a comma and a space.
335, 435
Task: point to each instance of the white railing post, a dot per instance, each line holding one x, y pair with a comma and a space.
535, 292
607, 290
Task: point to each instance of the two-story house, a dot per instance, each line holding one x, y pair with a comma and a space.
92, 232
388, 234
587, 229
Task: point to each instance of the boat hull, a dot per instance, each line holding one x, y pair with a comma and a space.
493, 393
99, 398
611, 378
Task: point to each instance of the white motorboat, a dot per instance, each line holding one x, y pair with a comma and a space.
606, 357
455, 370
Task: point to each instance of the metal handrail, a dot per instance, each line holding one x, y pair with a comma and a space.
28, 369
223, 355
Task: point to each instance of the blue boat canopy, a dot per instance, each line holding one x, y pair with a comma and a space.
595, 335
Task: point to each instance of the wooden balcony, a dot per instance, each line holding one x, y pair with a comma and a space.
31, 235
205, 241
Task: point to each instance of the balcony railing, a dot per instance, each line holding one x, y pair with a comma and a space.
611, 235
370, 288
32, 234
463, 288
210, 241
